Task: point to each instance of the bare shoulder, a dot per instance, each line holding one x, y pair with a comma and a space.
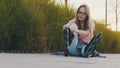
91, 23
72, 20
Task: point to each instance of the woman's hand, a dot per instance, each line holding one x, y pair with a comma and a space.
74, 30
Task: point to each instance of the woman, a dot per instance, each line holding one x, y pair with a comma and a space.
82, 27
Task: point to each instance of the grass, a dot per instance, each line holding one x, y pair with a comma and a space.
110, 42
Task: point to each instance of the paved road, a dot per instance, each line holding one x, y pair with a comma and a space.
54, 61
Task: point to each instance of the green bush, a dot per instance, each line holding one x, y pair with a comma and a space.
32, 25
110, 42
18, 30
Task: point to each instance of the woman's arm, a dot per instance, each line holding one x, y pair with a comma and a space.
92, 27
82, 32
74, 28
69, 23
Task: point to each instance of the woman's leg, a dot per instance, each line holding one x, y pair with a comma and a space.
66, 40
71, 41
73, 50
91, 48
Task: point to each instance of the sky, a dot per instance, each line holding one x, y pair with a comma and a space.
97, 9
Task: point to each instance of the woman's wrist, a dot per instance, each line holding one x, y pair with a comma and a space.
76, 31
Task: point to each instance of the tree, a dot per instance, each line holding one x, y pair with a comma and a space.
106, 14
66, 3
116, 10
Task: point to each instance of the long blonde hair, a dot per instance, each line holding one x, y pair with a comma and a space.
87, 21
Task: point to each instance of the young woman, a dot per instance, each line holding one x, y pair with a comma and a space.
82, 27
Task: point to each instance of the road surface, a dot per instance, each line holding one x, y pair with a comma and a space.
9, 60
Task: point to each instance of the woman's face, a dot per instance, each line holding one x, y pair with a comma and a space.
81, 14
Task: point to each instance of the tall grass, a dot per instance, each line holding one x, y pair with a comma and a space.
32, 25
19, 31
110, 42
35, 26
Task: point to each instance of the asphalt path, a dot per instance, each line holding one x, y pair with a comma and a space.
10, 60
